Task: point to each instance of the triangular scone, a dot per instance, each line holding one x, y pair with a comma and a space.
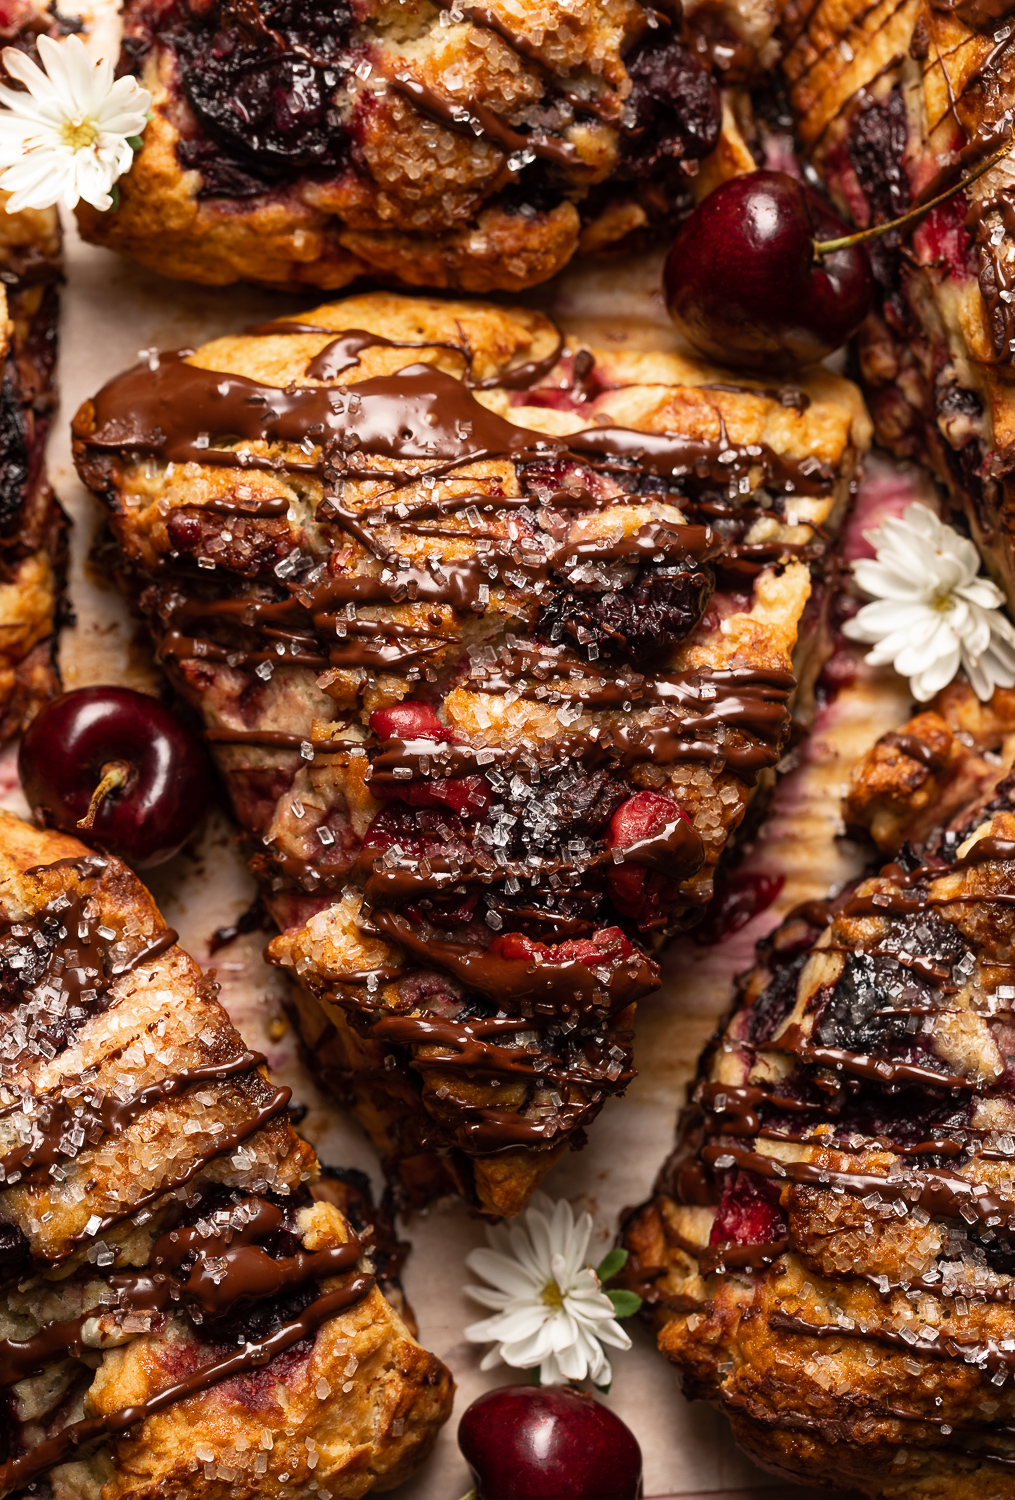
893, 103
308, 145
829, 1256
492, 639
184, 1313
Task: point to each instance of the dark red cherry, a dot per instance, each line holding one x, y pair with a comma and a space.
116, 769
408, 721
663, 849
742, 282
548, 1442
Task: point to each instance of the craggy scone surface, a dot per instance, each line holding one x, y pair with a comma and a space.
33, 541
467, 614
32, 525
892, 104
470, 148
160, 1228
828, 1256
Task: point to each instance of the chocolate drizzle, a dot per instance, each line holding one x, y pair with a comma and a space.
75, 1438
498, 903
992, 221
182, 413
477, 119
60, 965
54, 1117
62, 961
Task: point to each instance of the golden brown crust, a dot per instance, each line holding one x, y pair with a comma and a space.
249, 521
891, 101
916, 778
372, 1437
33, 528
353, 1406
32, 525
826, 1254
612, 95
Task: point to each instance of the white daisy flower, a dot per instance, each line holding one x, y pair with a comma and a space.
933, 612
73, 133
551, 1310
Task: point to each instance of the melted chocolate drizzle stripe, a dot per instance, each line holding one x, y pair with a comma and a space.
34, 1161
942, 1193
972, 1347
179, 412
229, 1268
72, 1440
225, 1141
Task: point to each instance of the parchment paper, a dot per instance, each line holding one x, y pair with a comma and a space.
111, 310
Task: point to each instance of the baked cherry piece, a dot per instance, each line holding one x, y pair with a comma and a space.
117, 769
549, 1442
408, 721
660, 848
467, 795
744, 286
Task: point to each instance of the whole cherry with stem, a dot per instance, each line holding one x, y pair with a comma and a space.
765, 276
117, 769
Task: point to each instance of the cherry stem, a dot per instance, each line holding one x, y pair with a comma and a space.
826, 247
470, 1496
114, 774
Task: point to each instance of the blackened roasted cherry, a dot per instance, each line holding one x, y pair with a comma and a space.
116, 769
528, 1442
743, 284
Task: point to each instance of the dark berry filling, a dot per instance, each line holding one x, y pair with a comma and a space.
673, 108
872, 1006
262, 88
260, 77
643, 620
877, 144
746, 1214
13, 450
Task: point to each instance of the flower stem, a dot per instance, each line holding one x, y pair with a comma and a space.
114, 774
847, 241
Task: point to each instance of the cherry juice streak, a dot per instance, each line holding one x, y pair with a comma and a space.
421, 422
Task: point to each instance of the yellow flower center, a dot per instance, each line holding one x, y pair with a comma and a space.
553, 1296
78, 134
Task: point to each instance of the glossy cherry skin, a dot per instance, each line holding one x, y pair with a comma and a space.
742, 282
73, 739
549, 1442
